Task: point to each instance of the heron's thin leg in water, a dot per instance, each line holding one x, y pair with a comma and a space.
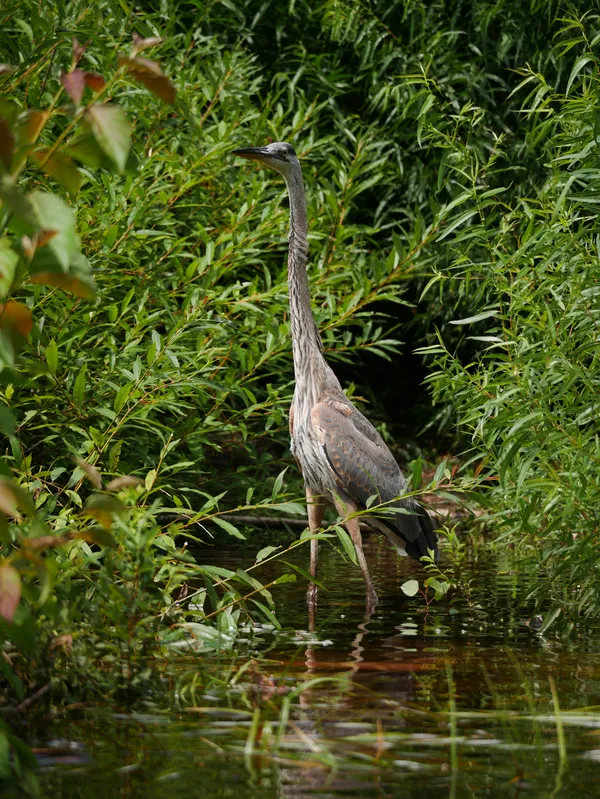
353, 527
333, 443
316, 509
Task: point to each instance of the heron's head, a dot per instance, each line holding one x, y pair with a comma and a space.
279, 155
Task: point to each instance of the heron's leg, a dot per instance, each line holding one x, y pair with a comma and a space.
353, 527
316, 508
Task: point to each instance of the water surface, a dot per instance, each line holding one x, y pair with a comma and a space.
454, 699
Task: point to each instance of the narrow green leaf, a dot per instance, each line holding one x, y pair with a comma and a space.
52, 356
122, 397
417, 473
265, 552
150, 478
476, 318
303, 573
278, 484
228, 527
79, 387
347, 543
579, 65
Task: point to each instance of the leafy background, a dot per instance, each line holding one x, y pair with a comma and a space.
450, 156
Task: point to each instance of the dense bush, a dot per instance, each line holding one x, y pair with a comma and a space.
449, 151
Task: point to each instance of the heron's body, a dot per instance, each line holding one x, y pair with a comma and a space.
343, 459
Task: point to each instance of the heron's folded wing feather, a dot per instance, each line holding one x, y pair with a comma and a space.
363, 465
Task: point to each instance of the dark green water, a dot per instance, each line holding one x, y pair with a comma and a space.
451, 701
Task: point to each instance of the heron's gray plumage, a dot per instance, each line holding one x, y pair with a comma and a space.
341, 455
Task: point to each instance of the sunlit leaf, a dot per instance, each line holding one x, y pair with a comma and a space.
476, 318
346, 543
410, 587
303, 573
228, 527
150, 478
79, 387
110, 126
122, 396
265, 552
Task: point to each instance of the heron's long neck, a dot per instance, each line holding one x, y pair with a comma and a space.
306, 341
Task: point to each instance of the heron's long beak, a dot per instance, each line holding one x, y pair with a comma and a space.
252, 153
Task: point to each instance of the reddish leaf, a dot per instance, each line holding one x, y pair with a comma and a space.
79, 287
45, 542
94, 81
61, 167
151, 75
91, 472
139, 43
7, 143
74, 83
78, 50
29, 125
27, 128
10, 591
127, 481
44, 236
16, 317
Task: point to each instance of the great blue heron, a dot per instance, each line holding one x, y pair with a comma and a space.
343, 459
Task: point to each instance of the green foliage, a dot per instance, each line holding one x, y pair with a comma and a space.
522, 381
450, 158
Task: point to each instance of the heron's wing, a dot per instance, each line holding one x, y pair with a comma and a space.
364, 467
